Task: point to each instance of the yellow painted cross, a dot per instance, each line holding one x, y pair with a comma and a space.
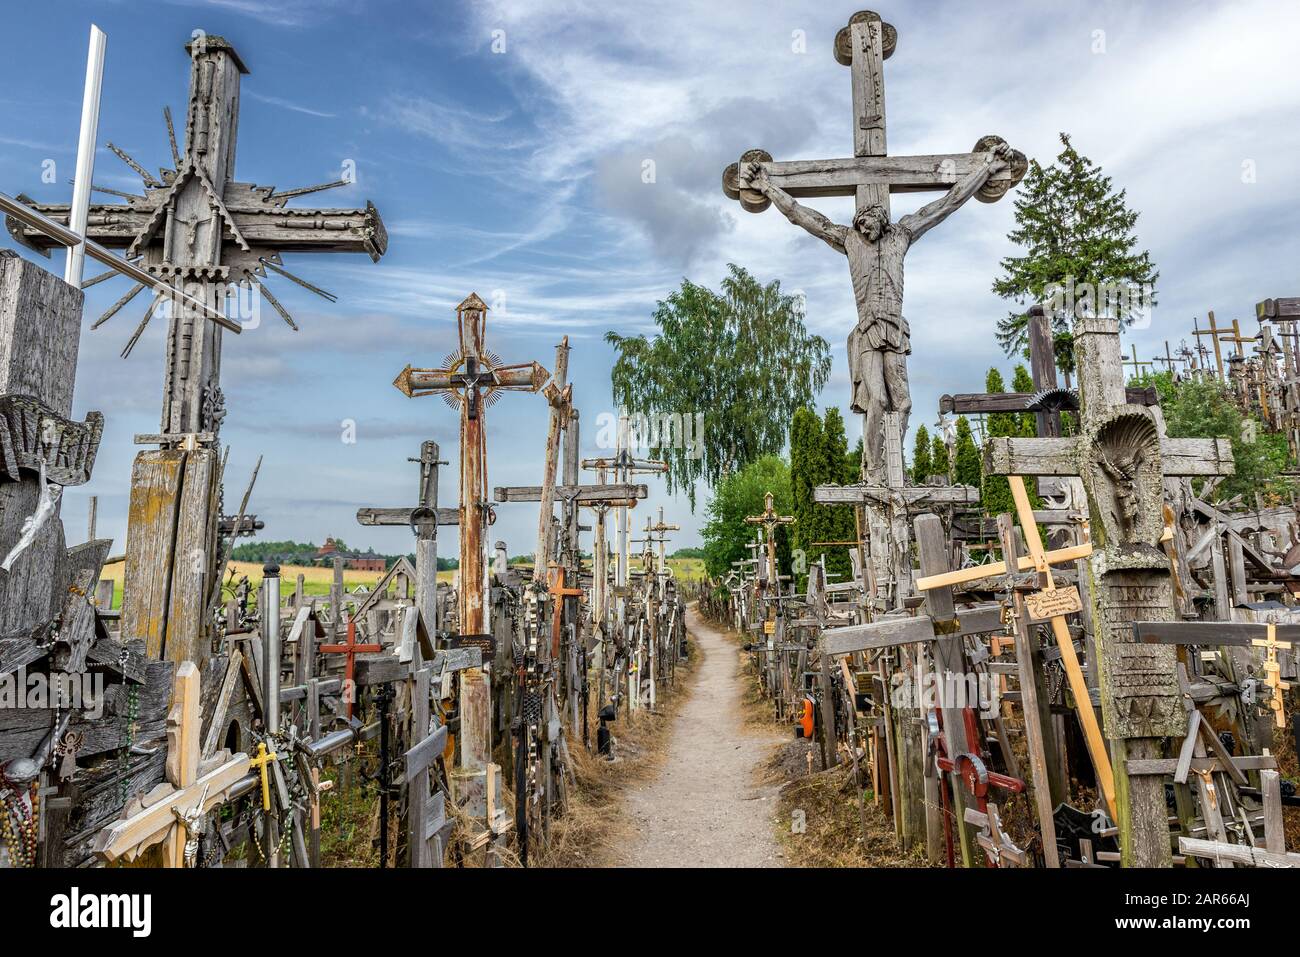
263, 759
1273, 672
1070, 660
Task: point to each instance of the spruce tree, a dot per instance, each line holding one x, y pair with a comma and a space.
1076, 232
922, 462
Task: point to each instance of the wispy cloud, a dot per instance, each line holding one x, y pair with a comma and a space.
288, 105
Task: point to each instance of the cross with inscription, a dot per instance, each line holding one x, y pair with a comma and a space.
472, 379
1123, 457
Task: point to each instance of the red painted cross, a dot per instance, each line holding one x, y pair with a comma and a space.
351, 649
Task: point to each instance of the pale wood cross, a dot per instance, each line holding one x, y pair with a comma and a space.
1213, 332
194, 786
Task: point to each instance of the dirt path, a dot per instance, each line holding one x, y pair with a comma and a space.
705, 807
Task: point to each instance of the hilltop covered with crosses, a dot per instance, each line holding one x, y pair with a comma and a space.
1057, 633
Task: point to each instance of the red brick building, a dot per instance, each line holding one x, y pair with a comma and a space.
354, 561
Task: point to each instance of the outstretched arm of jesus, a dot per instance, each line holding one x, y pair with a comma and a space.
817, 224
932, 214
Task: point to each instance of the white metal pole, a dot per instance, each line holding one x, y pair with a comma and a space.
87, 140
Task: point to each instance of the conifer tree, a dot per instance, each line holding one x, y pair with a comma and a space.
922, 462
967, 467
1076, 233
995, 493
940, 457
1022, 381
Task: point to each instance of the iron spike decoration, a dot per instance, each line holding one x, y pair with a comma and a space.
197, 230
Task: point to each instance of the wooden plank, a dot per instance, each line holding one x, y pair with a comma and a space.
901, 174
151, 520
1024, 563
40, 331
1179, 457
1236, 853
1218, 633
909, 496
1270, 787
1162, 766
402, 516
422, 755
884, 633
584, 494
186, 637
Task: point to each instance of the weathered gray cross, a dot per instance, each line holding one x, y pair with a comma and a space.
203, 233
423, 520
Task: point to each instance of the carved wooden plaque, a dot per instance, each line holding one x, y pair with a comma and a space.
1053, 603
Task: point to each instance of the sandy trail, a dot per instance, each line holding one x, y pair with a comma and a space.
704, 808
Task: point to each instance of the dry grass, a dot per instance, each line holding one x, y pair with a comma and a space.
592, 831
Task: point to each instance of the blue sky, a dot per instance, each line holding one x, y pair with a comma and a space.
517, 173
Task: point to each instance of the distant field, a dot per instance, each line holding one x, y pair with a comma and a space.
316, 580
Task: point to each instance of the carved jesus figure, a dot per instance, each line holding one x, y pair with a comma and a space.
880, 342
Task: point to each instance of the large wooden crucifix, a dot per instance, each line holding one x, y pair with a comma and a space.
207, 236
471, 379
874, 244
1123, 456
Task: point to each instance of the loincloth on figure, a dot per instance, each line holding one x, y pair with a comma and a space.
883, 334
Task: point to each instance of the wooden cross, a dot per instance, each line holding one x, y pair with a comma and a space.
472, 379
1236, 338
351, 647
1168, 359
943, 629
1136, 364
1123, 457
194, 787
559, 396
199, 230
870, 176
623, 465
1225, 633
769, 519
1213, 332
1050, 599
429, 827
423, 520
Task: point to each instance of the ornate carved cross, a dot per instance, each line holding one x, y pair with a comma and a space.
205, 234
472, 379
